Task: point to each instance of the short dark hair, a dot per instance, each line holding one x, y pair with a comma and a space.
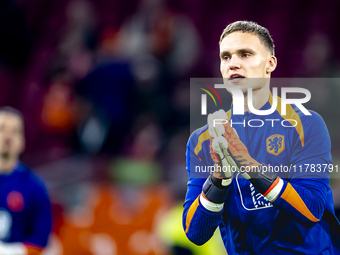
252, 28
13, 111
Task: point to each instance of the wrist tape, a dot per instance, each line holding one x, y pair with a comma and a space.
214, 191
263, 179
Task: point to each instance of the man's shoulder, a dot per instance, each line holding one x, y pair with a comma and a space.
29, 176
311, 129
303, 116
199, 135
314, 121
307, 121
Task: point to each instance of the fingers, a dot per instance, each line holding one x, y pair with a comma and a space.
235, 145
215, 123
213, 154
220, 147
216, 129
229, 130
236, 132
230, 133
216, 146
220, 144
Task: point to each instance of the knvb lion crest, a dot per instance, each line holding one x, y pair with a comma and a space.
275, 144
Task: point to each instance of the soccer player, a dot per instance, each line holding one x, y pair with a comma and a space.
25, 215
257, 210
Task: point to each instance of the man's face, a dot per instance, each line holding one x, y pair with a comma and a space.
242, 56
12, 140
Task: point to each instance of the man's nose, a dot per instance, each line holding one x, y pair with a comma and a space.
234, 62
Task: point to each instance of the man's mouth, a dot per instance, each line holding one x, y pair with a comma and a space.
5, 155
236, 76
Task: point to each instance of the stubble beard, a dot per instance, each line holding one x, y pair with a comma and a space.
5, 155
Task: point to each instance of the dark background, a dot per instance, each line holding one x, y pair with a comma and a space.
104, 87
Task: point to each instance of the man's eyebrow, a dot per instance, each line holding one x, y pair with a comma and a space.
243, 50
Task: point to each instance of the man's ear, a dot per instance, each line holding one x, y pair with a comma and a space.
271, 65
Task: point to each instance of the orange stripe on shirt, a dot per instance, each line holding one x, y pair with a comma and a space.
203, 137
191, 213
33, 250
229, 114
294, 199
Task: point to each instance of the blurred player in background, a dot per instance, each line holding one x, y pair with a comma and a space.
25, 215
257, 210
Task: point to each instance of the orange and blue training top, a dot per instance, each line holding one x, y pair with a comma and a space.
301, 220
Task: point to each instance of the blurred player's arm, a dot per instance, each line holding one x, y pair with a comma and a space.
38, 239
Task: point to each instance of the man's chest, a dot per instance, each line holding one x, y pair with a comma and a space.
15, 196
270, 146
247, 207
15, 204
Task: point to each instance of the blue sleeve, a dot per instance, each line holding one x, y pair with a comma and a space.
199, 223
304, 194
197, 154
41, 221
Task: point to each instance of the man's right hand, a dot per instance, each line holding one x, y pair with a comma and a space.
219, 147
215, 188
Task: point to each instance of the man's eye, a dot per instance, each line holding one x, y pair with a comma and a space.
226, 57
245, 55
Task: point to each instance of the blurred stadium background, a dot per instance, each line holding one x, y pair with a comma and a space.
104, 88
